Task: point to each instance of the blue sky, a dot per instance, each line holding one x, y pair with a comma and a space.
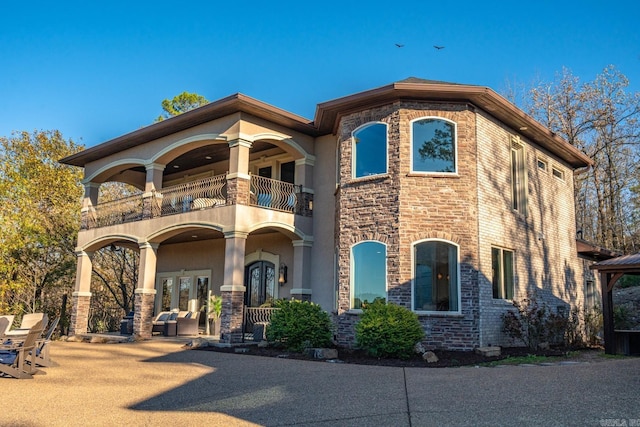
97, 70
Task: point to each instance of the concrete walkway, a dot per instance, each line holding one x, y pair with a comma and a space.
156, 383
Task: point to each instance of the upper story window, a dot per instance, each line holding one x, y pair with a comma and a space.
370, 150
518, 178
433, 146
368, 272
558, 173
435, 285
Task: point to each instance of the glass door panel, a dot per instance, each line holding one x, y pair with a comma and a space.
183, 293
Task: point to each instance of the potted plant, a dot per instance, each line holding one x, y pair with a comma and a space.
214, 310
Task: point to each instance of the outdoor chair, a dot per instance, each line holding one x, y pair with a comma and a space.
9, 318
13, 361
28, 321
188, 325
4, 326
42, 357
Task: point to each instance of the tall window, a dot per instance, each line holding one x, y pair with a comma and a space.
502, 266
368, 272
435, 283
433, 146
518, 178
370, 150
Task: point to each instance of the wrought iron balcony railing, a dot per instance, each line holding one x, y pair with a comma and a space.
197, 195
273, 194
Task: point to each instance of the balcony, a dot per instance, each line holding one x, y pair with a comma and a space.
202, 194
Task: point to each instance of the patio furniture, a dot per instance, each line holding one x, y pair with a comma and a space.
9, 319
126, 324
42, 357
13, 361
188, 325
28, 321
170, 328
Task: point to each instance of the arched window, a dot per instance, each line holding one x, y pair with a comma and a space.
436, 285
370, 150
368, 272
433, 146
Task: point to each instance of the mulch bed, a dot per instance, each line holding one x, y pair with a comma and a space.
445, 358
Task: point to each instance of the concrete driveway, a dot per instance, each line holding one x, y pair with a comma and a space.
157, 382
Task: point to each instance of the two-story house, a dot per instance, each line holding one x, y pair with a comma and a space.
444, 198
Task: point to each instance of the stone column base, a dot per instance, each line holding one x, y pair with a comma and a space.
143, 313
80, 313
232, 317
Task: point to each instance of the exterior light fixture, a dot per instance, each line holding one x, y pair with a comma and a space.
282, 278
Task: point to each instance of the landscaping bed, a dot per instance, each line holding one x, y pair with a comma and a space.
445, 358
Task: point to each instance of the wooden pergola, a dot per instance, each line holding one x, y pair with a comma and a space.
611, 270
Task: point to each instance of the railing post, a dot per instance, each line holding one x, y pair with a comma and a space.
151, 204
304, 205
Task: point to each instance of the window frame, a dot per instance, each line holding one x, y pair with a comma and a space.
518, 172
458, 277
557, 173
542, 164
352, 272
354, 151
455, 146
502, 290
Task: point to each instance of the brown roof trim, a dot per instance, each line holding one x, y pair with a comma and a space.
594, 252
216, 109
328, 113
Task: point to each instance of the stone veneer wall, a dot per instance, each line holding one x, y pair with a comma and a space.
80, 315
399, 209
231, 319
143, 314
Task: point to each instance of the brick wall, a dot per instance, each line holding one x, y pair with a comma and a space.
543, 241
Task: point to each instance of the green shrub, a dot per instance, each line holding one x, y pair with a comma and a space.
388, 330
299, 325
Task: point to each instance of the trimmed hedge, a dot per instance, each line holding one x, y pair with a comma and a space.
388, 330
299, 325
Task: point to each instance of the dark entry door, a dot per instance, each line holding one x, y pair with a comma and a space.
260, 278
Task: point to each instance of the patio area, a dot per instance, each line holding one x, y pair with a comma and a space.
158, 382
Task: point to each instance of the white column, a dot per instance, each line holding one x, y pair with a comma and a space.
301, 287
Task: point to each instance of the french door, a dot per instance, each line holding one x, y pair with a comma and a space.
260, 280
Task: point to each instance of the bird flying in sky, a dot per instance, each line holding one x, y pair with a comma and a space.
399, 45
438, 47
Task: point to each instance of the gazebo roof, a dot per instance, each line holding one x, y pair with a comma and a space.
621, 264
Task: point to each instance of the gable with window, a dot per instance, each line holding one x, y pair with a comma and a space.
370, 150
433, 146
436, 285
368, 272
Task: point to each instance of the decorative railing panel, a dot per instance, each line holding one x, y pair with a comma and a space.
118, 211
202, 194
273, 194
256, 319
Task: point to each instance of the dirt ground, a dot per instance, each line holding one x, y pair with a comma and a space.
445, 358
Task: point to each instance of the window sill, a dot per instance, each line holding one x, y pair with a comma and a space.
433, 175
367, 179
449, 314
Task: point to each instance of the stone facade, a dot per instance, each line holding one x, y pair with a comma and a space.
232, 317
80, 314
143, 313
470, 209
